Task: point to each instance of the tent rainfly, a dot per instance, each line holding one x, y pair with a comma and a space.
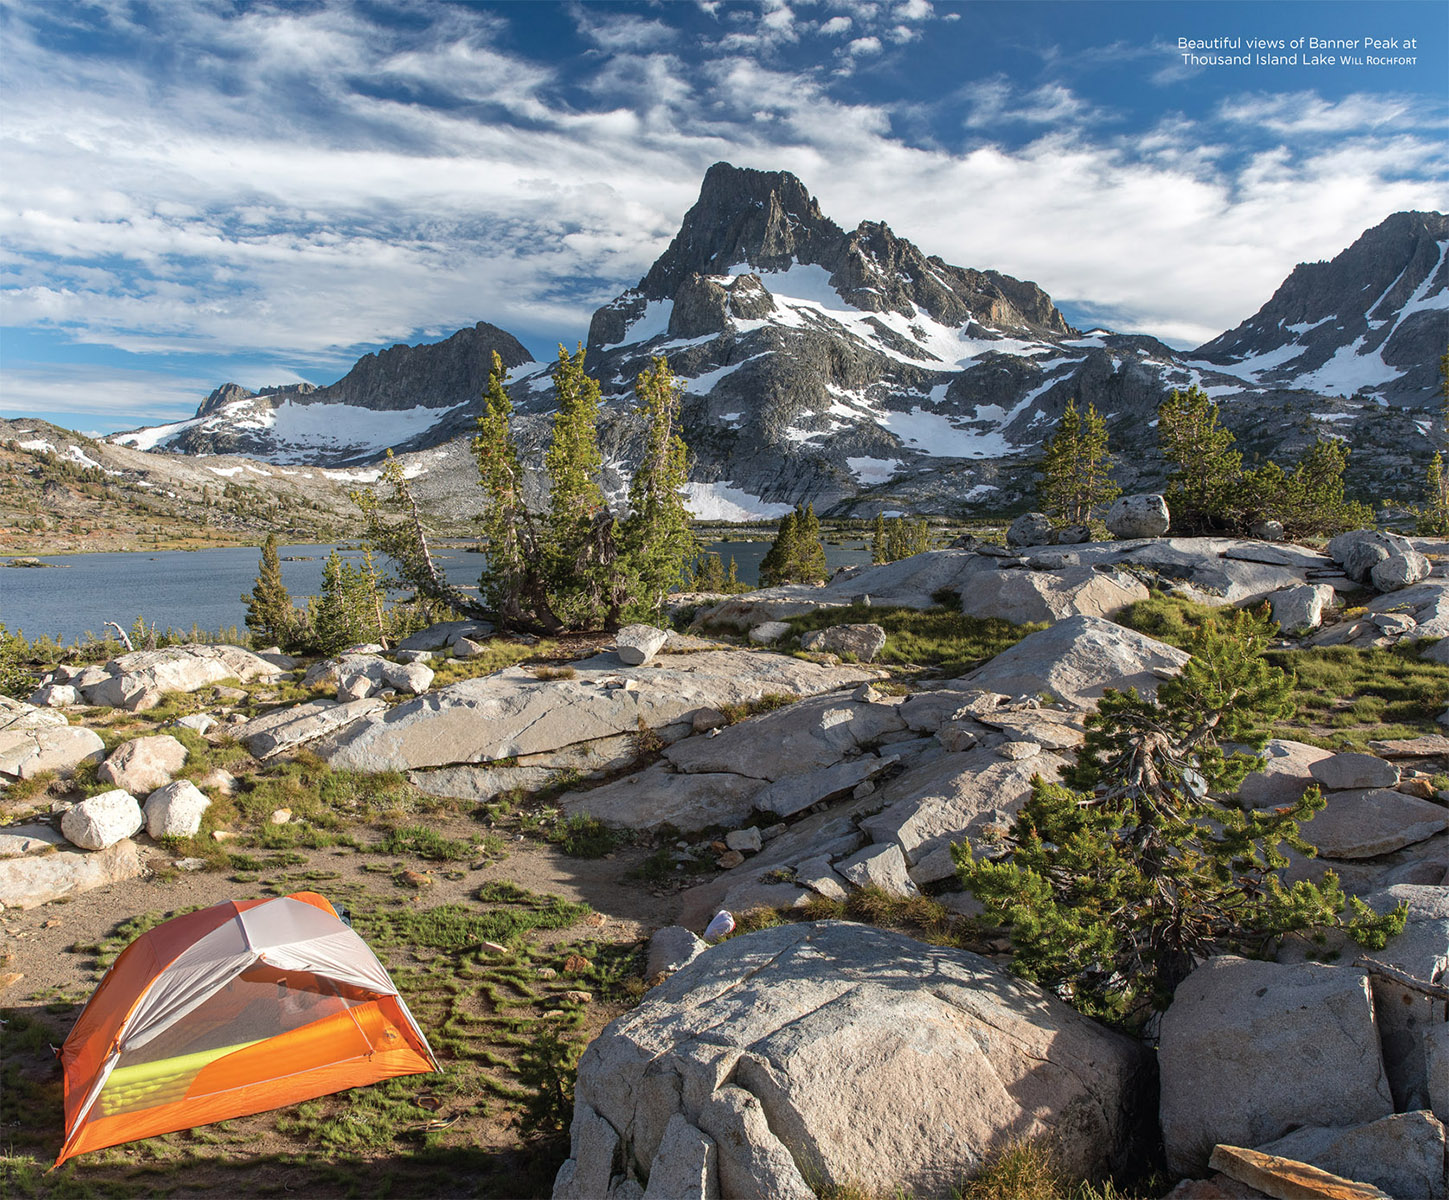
233, 1009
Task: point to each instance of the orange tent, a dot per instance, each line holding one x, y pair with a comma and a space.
233, 1009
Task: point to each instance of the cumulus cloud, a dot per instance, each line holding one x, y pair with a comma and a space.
836, 25
220, 201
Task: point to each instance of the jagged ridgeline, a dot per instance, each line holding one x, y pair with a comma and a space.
852, 371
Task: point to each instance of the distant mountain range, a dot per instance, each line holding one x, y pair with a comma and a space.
852, 370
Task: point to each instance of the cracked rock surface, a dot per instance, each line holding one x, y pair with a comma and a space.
839, 1052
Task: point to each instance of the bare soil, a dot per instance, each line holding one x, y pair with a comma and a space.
485, 1146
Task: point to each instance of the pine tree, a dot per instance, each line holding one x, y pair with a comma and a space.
709, 573
1076, 468
512, 585
775, 566
579, 542
405, 541
878, 552
1204, 483
349, 610
1115, 884
907, 538
1434, 513
807, 563
1310, 499
657, 540
271, 616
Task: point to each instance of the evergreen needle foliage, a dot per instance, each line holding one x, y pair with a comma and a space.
898, 538
797, 555
657, 540
405, 541
580, 536
1209, 491
1076, 468
271, 616
1116, 884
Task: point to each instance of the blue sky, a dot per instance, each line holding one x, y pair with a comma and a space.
196, 191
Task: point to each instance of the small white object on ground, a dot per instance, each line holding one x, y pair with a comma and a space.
722, 925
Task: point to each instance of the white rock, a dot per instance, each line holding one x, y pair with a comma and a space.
637, 644
1022, 597
1076, 660
37, 879
1030, 529
1372, 821
829, 1028
1299, 609
55, 695
197, 722
1250, 1050
143, 764
747, 841
1140, 516
1399, 571
1285, 775
686, 1166
863, 642
29, 748
671, 948
882, 866
1340, 772
175, 810
101, 821
1402, 1155
767, 633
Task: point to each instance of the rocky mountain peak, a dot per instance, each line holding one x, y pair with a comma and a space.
227, 393
1370, 319
764, 218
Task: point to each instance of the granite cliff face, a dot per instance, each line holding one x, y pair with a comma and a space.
852, 370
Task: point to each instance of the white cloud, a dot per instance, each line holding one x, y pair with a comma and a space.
1292, 113
836, 25
914, 10
864, 45
998, 101
233, 204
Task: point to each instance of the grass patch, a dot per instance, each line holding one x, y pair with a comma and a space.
1169, 619
1347, 696
422, 842
497, 654
583, 836
941, 637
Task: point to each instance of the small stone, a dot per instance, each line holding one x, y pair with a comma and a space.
280, 816
745, 840
576, 964
223, 835
1421, 788
637, 644
1018, 751
705, 719
546, 973
468, 648
767, 633
577, 997
729, 860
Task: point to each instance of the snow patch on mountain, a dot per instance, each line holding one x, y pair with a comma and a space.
725, 502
